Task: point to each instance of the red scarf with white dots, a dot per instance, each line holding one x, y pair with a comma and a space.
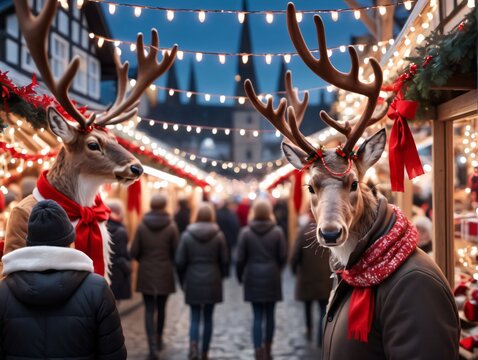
376, 264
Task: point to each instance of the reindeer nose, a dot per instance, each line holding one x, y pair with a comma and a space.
136, 170
330, 237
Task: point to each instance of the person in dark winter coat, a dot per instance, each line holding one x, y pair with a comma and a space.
52, 305
154, 247
120, 260
229, 225
182, 216
311, 265
261, 256
202, 262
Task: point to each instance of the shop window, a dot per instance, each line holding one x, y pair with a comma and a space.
80, 81
12, 52
63, 23
94, 77
59, 54
75, 32
12, 26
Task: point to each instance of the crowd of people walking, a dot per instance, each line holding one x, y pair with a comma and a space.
198, 248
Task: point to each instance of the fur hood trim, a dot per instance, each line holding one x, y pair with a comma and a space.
42, 258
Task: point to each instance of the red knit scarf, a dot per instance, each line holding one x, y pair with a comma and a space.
377, 263
88, 234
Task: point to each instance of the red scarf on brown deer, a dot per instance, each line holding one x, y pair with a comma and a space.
88, 234
376, 264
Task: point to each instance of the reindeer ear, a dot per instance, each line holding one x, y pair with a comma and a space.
295, 155
371, 150
60, 126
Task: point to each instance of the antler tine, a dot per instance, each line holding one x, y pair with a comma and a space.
35, 29
275, 116
148, 70
347, 81
299, 106
299, 138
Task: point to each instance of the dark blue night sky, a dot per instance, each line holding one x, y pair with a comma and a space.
220, 32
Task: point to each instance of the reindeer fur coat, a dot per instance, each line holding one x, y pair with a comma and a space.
415, 299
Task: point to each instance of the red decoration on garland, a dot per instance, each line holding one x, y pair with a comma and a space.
4, 147
402, 149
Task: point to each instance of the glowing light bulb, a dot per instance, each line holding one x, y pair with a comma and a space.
214, 131
171, 92
357, 14
112, 9
268, 59
342, 48
132, 47
175, 127
382, 10
152, 87
227, 131
198, 57
170, 15
207, 97
180, 55
334, 15
222, 58
188, 129
269, 18
408, 5
101, 41
361, 48
79, 3
298, 17
201, 16
165, 126
222, 99
471, 4
137, 11
198, 130
241, 100
241, 17
245, 59
287, 58
189, 94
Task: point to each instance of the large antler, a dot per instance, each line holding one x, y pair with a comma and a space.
35, 29
287, 125
347, 81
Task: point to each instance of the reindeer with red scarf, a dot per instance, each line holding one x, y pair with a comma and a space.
90, 156
390, 300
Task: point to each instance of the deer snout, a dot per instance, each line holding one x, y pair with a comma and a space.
136, 169
330, 235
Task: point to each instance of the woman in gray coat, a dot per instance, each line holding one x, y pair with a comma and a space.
201, 263
154, 247
310, 263
261, 256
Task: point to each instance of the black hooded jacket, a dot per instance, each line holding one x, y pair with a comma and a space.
67, 314
154, 247
261, 255
202, 262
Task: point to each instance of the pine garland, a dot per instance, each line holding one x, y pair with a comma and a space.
442, 57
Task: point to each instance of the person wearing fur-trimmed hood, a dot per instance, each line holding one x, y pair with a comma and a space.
52, 305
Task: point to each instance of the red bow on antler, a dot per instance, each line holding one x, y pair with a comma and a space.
402, 149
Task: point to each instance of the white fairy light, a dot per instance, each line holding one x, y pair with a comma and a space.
198, 57
268, 59
180, 55
137, 11
382, 10
189, 94
175, 127
214, 131
471, 4
242, 132
361, 48
342, 48
101, 41
112, 9
151, 122
227, 131
255, 133
269, 18
198, 130
420, 38
245, 59
170, 15
329, 52
357, 14
222, 58
334, 15
298, 16
241, 100
201, 16
287, 58
165, 126
207, 97
222, 99
132, 47
277, 133
171, 92
188, 128
241, 17
408, 5
118, 51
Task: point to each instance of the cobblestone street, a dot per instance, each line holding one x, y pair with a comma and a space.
232, 333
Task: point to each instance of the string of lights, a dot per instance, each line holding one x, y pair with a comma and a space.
241, 14
380, 46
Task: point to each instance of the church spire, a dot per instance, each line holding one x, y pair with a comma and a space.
245, 71
172, 83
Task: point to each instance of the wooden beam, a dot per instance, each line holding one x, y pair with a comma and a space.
459, 82
443, 219
459, 107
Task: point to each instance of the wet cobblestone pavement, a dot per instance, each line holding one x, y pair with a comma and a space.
232, 328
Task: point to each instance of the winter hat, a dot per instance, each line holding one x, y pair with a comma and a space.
49, 225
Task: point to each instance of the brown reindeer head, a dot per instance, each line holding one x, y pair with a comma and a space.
340, 202
89, 149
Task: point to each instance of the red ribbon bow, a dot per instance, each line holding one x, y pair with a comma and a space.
88, 234
402, 149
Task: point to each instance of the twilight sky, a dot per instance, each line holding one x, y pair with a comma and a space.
220, 33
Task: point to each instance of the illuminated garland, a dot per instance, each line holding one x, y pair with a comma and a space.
7, 148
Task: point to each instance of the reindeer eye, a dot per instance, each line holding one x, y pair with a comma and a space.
354, 186
93, 146
311, 189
